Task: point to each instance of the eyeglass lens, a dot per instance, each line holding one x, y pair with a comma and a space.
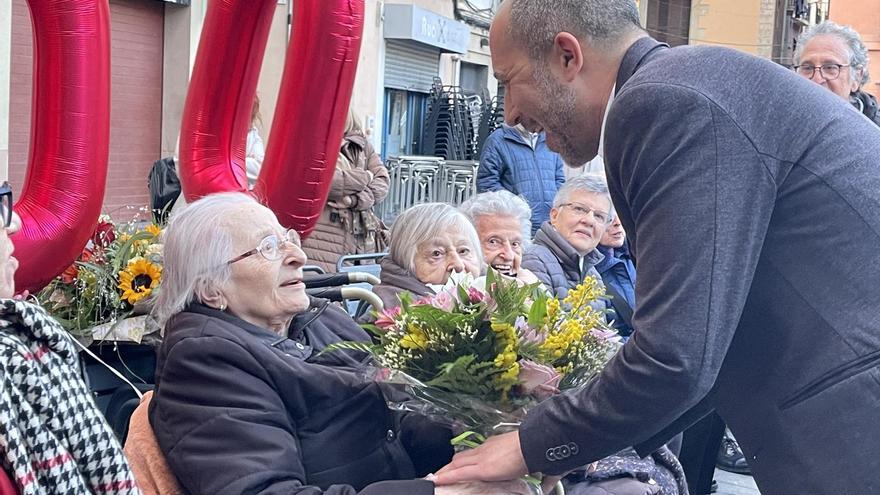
583, 211
270, 246
828, 71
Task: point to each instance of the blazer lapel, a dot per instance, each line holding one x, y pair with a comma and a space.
639, 52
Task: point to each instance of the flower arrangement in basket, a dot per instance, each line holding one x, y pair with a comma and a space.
478, 358
120, 266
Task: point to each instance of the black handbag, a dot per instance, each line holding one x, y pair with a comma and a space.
164, 188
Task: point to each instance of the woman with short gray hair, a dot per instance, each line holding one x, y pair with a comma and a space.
429, 242
564, 251
503, 223
590, 183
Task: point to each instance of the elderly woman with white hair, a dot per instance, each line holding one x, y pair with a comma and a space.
429, 243
244, 402
503, 223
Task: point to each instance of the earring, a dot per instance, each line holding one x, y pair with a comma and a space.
222, 306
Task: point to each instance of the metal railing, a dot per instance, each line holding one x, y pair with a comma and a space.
426, 179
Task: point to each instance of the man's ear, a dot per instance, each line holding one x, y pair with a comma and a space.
568, 55
857, 85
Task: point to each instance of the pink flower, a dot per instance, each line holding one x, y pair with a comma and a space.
475, 295
443, 300
387, 318
538, 380
609, 335
527, 333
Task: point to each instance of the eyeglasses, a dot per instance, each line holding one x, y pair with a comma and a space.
6, 204
270, 247
829, 72
582, 211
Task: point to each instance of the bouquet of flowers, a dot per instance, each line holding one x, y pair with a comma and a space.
119, 267
478, 357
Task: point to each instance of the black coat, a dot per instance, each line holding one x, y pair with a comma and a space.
238, 409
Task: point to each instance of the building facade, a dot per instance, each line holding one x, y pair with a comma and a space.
406, 44
766, 28
153, 48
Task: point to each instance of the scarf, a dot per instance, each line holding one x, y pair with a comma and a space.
53, 439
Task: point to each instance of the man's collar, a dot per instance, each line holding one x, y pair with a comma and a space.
637, 53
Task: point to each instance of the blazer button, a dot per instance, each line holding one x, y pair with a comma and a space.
573, 447
551, 456
300, 346
390, 435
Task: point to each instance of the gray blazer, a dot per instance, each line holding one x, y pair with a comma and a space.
752, 201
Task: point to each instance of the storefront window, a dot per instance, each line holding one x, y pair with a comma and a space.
404, 117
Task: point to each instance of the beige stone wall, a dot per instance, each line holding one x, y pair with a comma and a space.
739, 24
864, 17
183, 27
367, 95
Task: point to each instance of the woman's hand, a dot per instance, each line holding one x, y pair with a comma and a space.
513, 487
527, 277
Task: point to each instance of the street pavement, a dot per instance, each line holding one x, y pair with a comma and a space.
735, 484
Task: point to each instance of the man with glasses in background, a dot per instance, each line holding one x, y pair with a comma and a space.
564, 251
835, 57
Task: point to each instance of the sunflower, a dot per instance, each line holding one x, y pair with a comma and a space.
153, 229
139, 279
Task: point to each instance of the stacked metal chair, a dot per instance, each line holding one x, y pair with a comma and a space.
491, 119
457, 181
412, 181
449, 129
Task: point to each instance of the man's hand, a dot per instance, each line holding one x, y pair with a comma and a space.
499, 459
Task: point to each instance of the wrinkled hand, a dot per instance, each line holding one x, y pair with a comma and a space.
513, 487
499, 459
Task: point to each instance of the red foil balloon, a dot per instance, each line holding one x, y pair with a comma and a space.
315, 93
310, 117
63, 190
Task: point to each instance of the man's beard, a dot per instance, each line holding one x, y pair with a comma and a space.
558, 106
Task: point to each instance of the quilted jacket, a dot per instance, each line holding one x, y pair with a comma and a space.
508, 162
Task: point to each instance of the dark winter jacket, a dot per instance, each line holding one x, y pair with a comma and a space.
395, 280
866, 104
557, 264
238, 409
508, 162
619, 274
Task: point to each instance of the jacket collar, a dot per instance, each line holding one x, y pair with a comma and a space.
640, 51
397, 276
568, 256
260, 333
512, 134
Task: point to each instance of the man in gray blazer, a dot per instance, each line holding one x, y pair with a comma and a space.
752, 198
